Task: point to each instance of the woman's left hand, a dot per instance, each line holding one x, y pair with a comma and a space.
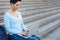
27, 31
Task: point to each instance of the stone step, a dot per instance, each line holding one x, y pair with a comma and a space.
34, 12
48, 28
49, 19
44, 21
41, 1
38, 16
7, 2
35, 8
22, 1
1, 2
4, 0
34, 2
43, 9
22, 6
54, 35
38, 11
25, 8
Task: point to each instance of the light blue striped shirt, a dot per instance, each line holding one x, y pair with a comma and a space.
13, 25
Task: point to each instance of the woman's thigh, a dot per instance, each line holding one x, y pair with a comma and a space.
17, 37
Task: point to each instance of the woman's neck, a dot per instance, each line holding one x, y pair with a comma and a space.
12, 10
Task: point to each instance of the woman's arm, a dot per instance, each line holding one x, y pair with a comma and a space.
24, 27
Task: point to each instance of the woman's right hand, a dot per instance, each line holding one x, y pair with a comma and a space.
24, 33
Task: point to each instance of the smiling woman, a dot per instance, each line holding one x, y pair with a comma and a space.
13, 23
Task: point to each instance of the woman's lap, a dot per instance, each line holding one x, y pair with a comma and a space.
17, 37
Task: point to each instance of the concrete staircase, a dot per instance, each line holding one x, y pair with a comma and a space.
37, 16
54, 35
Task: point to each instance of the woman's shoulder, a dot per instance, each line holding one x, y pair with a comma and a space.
6, 14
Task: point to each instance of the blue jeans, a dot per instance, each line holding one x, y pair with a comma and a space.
17, 37
2, 33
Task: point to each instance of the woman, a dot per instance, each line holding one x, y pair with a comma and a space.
13, 23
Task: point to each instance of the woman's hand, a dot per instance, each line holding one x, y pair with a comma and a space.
25, 33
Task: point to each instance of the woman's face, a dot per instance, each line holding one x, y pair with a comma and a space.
16, 5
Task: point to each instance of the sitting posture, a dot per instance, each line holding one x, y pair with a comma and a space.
13, 23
